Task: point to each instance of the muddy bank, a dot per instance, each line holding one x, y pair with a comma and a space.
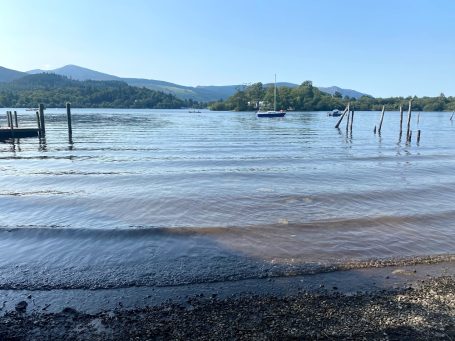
415, 309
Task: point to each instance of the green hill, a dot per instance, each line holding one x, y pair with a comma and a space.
7, 75
306, 97
198, 93
54, 91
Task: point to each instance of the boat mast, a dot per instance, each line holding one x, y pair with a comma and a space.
274, 96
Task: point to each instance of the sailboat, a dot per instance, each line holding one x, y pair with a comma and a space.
273, 113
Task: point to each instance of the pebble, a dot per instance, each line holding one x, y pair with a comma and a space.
21, 306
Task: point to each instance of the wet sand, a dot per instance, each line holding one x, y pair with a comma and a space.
410, 302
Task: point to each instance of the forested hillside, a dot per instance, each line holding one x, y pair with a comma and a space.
54, 91
306, 97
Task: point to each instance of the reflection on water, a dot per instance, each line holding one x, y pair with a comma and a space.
224, 192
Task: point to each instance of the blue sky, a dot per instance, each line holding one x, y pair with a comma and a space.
384, 48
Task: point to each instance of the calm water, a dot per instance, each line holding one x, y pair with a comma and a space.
160, 197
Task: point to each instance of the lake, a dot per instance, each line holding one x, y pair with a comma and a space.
168, 197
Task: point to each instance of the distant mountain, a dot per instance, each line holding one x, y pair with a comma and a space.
198, 93
79, 73
344, 92
7, 75
37, 71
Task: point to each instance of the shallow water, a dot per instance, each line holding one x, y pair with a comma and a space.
159, 197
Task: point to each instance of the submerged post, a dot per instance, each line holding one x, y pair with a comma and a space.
8, 119
418, 136
408, 138
382, 119
41, 118
15, 119
347, 120
401, 119
68, 116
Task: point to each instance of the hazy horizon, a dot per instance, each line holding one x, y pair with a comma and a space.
381, 48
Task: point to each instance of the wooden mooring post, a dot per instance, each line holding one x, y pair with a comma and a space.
38, 123
352, 119
418, 136
342, 116
15, 119
382, 119
8, 119
408, 131
401, 119
41, 118
68, 116
10, 114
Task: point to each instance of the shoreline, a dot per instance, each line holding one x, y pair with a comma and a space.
413, 301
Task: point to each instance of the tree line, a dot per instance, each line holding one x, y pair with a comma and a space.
54, 91
306, 97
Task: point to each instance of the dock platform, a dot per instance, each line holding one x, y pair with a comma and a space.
7, 133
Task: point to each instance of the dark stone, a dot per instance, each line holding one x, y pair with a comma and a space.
69, 310
21, 306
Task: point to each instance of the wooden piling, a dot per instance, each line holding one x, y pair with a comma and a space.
451, 117
347, 120
401, 119
11, 124
374, 130
352, 119
342, 116
418, 136
68, 116
15, 119
409, 121
418, 118
382, 119
38, 123
410, 135
42, 124
8, 119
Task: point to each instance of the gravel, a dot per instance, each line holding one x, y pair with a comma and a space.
424, 313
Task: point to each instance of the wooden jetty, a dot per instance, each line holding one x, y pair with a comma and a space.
16, 133
12, 130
